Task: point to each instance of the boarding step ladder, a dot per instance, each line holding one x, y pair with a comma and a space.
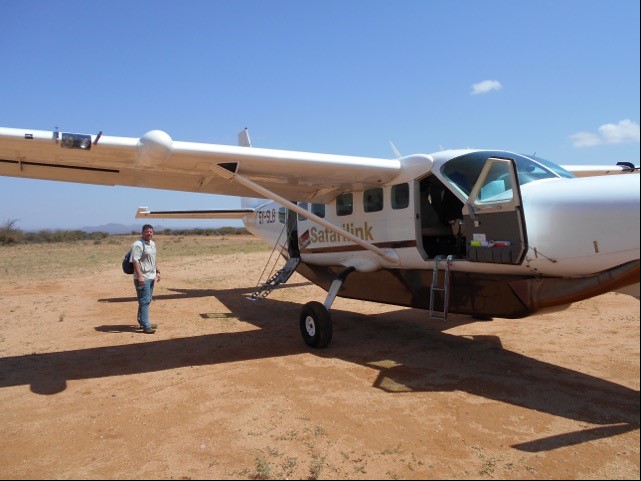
280, 277
438, 287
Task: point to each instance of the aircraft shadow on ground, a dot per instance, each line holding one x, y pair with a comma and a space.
411, 353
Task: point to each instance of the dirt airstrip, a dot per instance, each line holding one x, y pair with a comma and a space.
226, 389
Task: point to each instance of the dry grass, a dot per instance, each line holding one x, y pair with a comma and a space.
56, 260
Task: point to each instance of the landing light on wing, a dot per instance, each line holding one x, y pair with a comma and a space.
75, 141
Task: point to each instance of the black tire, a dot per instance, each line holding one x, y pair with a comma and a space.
316, 325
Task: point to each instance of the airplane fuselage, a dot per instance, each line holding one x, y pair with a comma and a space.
567, 239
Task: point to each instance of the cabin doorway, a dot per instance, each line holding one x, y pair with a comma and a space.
440, 219
292, 234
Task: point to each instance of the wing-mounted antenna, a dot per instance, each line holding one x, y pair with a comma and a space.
243, 138
396, 152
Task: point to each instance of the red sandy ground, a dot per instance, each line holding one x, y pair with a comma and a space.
226, 389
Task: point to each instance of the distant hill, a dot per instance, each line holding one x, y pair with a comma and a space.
112, 228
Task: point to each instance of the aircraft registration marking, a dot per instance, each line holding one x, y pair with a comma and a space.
266, 216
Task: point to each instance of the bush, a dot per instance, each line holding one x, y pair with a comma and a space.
9, 234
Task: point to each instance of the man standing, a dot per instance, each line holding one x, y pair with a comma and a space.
146, 273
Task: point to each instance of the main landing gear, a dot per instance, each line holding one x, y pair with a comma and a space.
315, 321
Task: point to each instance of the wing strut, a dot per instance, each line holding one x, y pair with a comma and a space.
387, 254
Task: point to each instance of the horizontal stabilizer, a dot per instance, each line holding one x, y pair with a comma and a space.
592, 170
144, 212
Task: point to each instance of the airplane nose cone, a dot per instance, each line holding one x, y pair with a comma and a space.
586, 224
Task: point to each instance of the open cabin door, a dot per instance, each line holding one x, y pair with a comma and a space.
493, 215
288, 217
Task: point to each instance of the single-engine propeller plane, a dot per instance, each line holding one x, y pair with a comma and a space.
488, 233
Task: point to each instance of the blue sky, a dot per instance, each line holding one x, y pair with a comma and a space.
557, 78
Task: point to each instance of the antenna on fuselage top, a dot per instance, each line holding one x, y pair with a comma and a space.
243, 138
396, 152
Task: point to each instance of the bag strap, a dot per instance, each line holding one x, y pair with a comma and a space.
143, 249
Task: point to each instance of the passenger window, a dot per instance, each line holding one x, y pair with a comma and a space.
344, 204
373, 200
282, 212
304, 206
400, 196
318, 210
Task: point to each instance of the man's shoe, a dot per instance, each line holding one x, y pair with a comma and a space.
149, 330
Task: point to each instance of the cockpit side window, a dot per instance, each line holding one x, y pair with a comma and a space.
497, 186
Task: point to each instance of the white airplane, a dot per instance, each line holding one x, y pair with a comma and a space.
488, 233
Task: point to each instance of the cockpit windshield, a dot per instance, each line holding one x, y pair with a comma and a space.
464, 171
557, 169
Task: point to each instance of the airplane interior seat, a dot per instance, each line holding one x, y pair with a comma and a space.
451, 208
438, 231
431, 224
456, 224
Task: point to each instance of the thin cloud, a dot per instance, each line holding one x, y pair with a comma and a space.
585, 139
486, 86
626, 131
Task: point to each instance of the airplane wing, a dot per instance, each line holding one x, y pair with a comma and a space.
592, 170
155, 160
